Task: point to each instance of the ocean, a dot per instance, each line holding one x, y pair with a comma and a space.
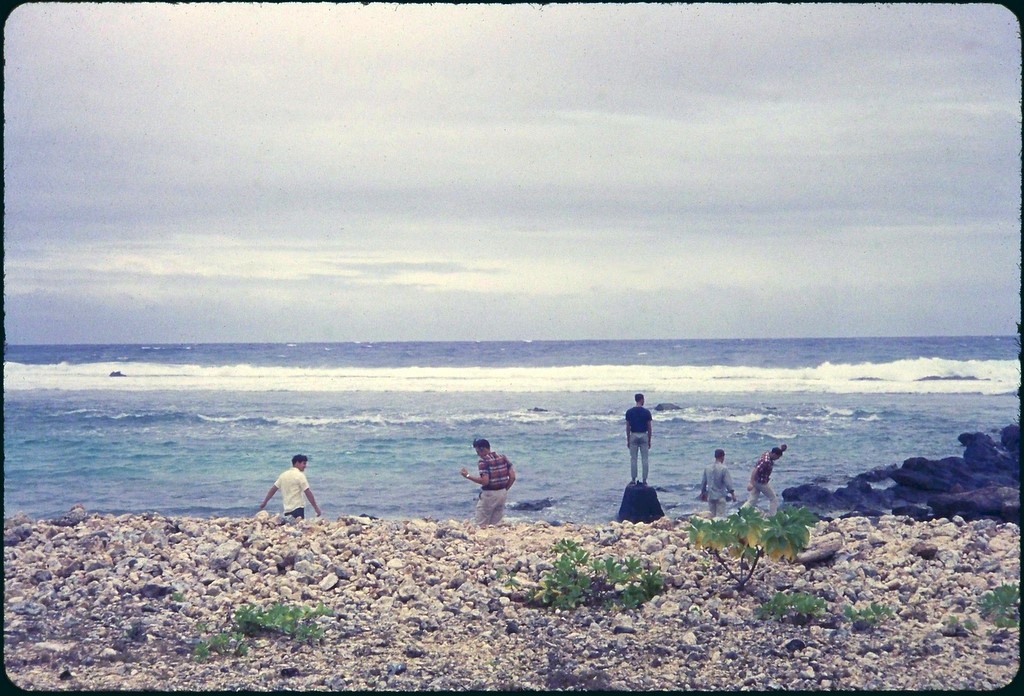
204, 429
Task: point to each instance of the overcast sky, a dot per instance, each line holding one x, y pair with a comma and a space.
236, 172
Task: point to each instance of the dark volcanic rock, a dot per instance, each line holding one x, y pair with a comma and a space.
981, 452
640, 504
928, 475
1010, 439
992, 501
859, 493
810, 494
914, 512
984, 482
531, 505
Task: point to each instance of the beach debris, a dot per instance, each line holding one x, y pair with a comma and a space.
822, 549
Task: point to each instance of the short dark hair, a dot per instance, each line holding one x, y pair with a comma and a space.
778, 451
719, 453
299, 458
638, 397
481, 443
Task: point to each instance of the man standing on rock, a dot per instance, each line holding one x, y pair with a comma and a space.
293, 485
759, 478
638, 436
496, 477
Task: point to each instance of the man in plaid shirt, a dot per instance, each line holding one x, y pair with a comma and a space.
759, 478
496, 477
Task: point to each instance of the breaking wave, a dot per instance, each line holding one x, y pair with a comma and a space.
922, 375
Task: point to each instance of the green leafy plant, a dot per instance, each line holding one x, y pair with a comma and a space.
871, 615
953, 626
296, 622
508, 579
740, 541
579, 579
290, 620
798, 607
232, 643
1002, 606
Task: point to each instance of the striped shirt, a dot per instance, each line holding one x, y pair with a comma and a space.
496, 466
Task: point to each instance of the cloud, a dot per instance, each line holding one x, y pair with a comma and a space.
305, 162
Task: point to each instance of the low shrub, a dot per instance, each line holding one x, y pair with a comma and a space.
869, 616
1002, 606
953, 626
232, 643
290, 620
740, 541
294, 622
797, 607
579, 579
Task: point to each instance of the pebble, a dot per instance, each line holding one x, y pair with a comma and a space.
103, 603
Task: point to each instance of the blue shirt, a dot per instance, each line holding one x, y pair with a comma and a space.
638, 417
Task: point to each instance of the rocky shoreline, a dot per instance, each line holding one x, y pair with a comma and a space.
983, 483
113, 603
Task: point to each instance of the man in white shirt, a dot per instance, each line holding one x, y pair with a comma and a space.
293, 485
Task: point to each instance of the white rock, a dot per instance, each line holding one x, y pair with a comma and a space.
651, 545
223, 555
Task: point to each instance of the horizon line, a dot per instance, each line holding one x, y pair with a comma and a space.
505, 340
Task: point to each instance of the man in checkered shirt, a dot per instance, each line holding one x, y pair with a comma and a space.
759, 478
496, 477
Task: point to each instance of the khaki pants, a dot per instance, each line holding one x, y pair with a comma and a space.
759, 488
717, 507
490, 507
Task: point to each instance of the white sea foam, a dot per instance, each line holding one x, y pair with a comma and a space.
745, 418
701, 415
920, 376
223, 419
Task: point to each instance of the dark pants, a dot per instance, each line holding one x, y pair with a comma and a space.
297, 512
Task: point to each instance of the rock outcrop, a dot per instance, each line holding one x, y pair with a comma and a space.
640, 504
982, 483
